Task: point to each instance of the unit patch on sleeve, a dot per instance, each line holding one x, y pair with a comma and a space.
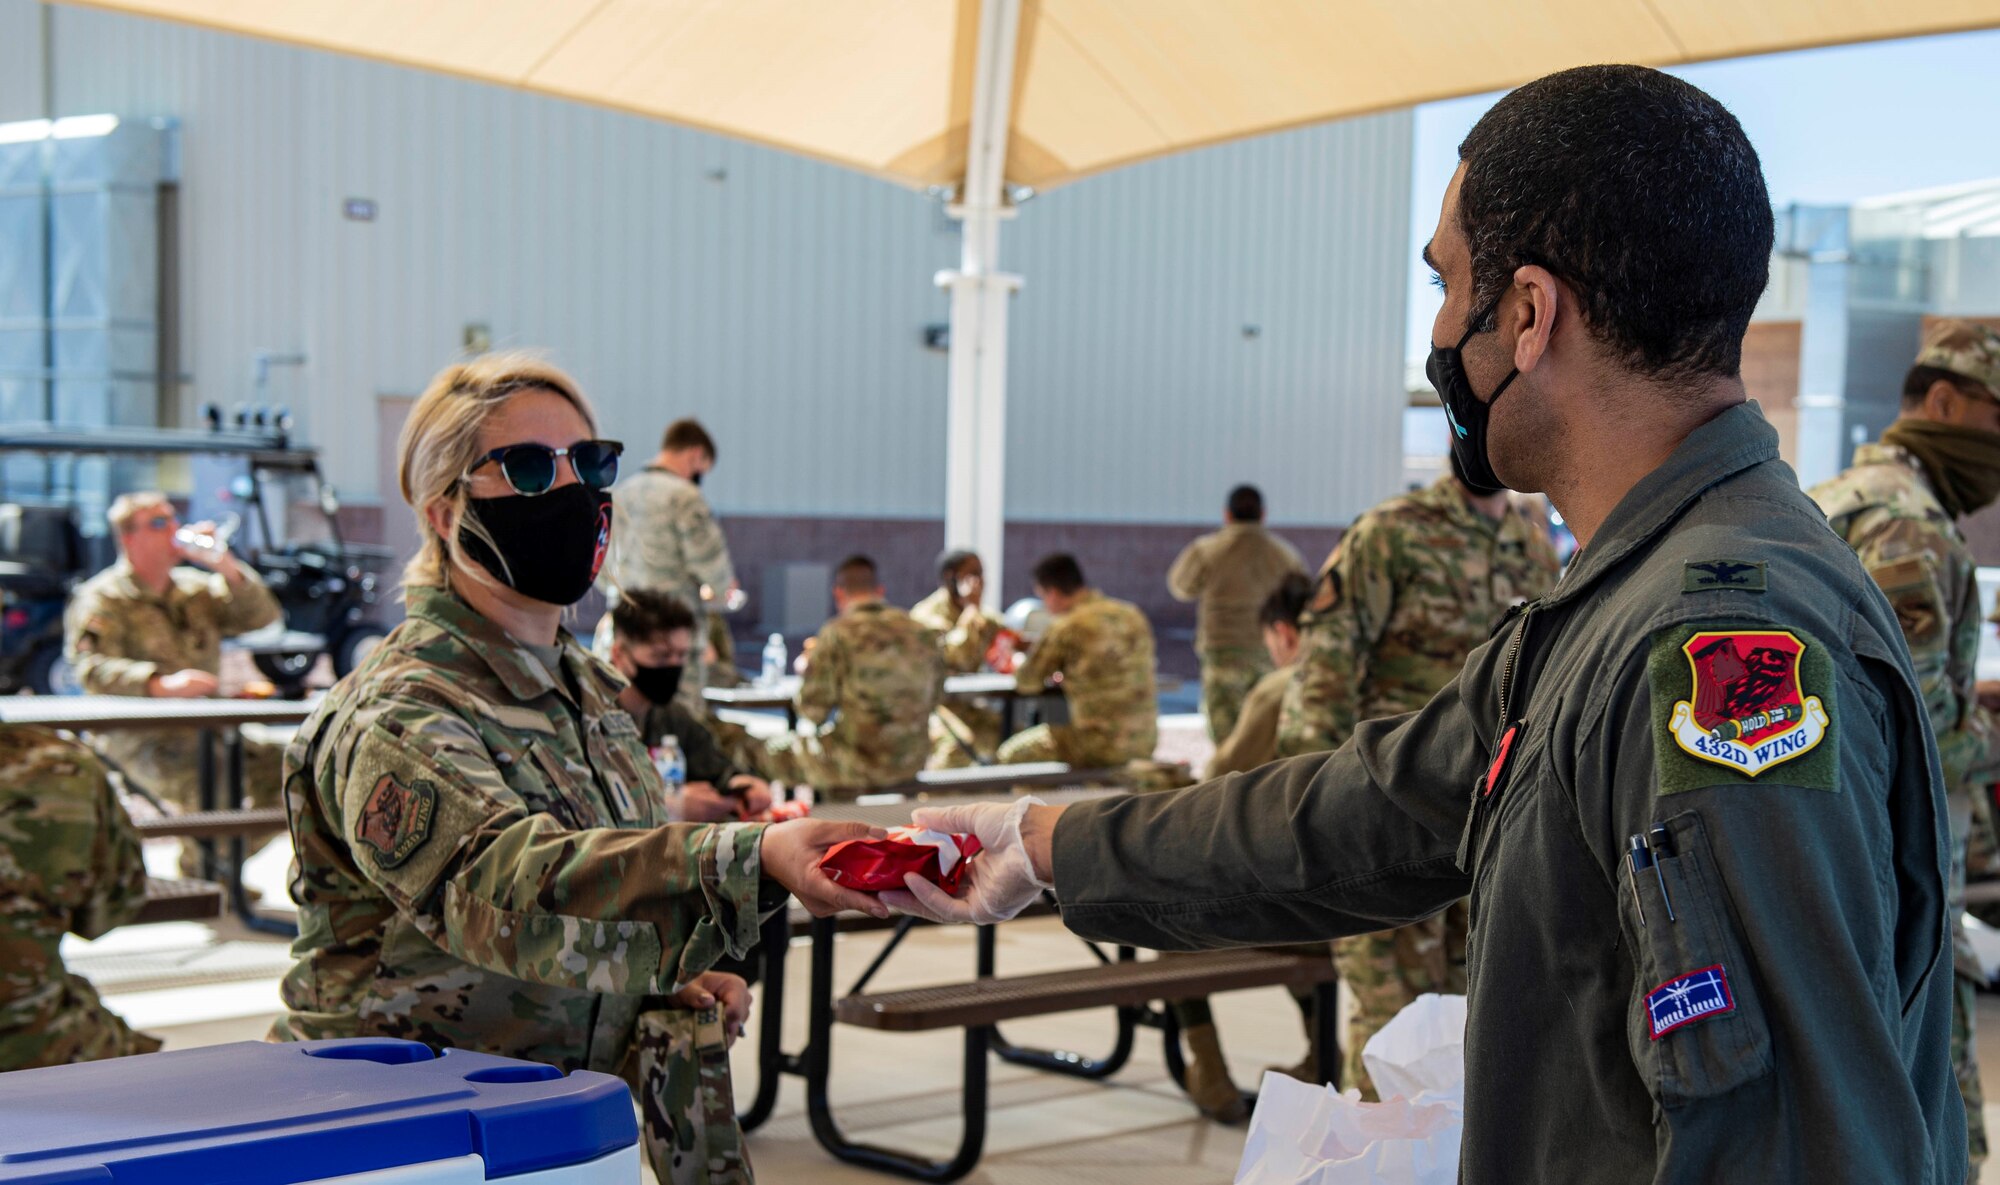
1688, 998
396, 819
1739, 705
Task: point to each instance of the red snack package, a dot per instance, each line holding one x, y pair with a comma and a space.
781, 811
872, 865
1004, 653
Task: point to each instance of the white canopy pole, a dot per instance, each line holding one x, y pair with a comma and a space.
976, 423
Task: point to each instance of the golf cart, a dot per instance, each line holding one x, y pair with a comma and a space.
290, 534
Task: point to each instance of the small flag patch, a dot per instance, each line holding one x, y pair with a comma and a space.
1688, 998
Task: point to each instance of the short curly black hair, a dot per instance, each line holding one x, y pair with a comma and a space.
1638, 191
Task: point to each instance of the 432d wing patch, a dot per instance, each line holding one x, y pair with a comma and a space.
1741, 704
396, 819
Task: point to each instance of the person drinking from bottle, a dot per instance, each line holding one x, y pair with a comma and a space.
153, 625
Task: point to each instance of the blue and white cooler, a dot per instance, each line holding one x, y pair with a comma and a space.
359, 1112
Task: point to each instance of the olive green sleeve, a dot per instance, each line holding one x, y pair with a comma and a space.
430, 821
1361, 839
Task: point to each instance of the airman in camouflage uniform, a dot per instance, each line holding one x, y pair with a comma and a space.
965, 631
1415, 585
664, 537
876, 676
1230, 572
1898, 507
69, 862
483, 862
121, 637
1101, 649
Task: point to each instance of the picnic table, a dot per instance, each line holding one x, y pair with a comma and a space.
213, 718
783, 696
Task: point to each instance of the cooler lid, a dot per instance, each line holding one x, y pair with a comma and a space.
257, 1113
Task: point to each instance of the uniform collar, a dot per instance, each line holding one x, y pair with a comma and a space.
1732, 442
1877, 453
519, 671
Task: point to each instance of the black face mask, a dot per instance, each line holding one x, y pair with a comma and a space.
1471, 487
657, 684
553, 543
1466, 414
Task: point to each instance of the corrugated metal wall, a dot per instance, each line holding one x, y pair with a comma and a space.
781, 300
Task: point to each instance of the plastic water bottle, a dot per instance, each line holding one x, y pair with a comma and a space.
672, 764
774, 662
208, 544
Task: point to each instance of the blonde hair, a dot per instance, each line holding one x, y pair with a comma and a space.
440, 442
127, 507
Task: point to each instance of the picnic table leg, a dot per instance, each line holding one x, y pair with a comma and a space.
1062, 1061
239, 898
819, 1056
771, 1067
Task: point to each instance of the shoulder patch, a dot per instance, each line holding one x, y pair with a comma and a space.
1733, 703
1705, 575
396, 819
1685, 999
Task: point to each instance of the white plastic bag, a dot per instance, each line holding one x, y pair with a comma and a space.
1312, 1135
1422, 1049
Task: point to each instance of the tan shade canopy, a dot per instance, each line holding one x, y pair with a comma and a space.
885, 86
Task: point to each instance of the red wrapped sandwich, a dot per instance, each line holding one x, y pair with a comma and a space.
872, 865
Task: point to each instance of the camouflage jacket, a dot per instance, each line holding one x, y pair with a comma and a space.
481, 856
119, 635
1103, 650
664, 537
877, 676
1884, 508
69, 863
962, 636
1231, 572
1413, 587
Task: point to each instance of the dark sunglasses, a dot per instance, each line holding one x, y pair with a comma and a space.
531, 468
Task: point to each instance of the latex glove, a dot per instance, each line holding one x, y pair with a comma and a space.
999, 883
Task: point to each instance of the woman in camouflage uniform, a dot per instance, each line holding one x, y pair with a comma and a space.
484, 859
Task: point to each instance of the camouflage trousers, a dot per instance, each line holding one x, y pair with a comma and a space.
1072, 746
1386, 971
679, 1072
962, 726
167, 764
1227, 675
835, 772
84, 1031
